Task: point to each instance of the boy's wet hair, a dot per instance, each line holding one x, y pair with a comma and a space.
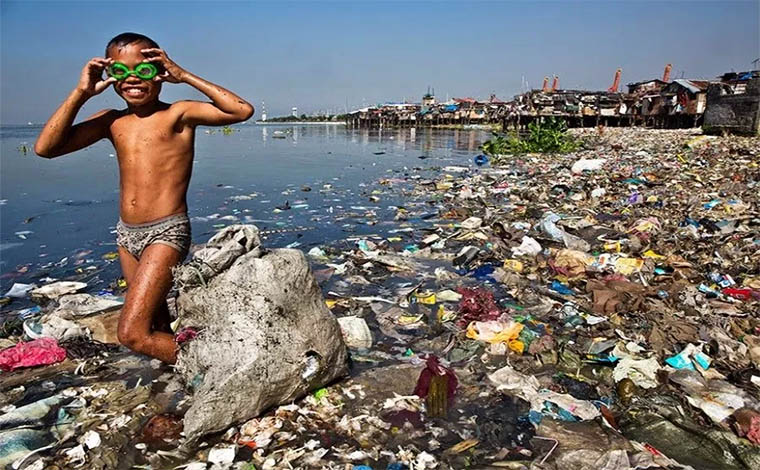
124, 39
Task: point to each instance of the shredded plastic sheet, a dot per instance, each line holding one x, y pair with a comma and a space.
477, 304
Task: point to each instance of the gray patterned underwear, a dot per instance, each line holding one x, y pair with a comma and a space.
173, 231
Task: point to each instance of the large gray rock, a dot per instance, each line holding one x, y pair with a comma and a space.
266, 338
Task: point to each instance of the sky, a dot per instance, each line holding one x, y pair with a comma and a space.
329, 56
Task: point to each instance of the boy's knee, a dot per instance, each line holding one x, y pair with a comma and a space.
130, 338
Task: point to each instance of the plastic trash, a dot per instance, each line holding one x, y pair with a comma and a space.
465, 256
528, 247
19, 290
691, 353
438, 384
480, 160
548, 225
39, 352
356, 333
57, 289
472, 223
587, 165
561, 288
643, 372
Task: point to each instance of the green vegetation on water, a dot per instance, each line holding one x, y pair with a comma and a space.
304, 117
548, 136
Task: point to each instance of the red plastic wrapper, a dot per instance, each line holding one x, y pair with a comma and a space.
40, 352
185, 334
434, 368
748, 424
476, 304
741, 294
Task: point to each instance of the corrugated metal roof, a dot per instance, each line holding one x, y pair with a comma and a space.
692, 86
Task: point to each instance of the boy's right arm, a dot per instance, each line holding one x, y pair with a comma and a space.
59, 137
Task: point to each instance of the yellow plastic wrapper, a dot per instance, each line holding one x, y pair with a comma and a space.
517, 346
495, 331
627, 266
426, 298
653, 255
409, 319
445, 315
513, 265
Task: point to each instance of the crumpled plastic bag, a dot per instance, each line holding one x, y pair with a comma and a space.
548, 225
493, 332
587, 165
219, 253
718, 399
527, 388
57, 289
643, 372
54, 327
433, 367
528, 247
43, 351
73, 306
571, 263
477, 304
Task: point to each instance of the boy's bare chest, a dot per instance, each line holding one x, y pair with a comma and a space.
136, 136
132, 135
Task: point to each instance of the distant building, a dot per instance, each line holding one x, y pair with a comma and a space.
428, 100
685, 96
263, 111
646, 87
733, 104
294, 111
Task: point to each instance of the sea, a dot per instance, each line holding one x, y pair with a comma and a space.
303, 185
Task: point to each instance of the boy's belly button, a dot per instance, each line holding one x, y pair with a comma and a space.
133, 202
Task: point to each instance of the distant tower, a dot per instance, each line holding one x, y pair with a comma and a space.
428, 99
294, 111
263, 111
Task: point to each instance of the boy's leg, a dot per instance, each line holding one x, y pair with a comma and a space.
147, 291
129, 263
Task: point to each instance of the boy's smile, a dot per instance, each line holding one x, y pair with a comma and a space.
135, 91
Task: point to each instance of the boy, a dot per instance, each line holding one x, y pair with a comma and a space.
154, 144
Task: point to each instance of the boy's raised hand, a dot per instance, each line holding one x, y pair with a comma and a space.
91, 80
173, 73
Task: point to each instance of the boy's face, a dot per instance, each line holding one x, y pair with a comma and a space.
135, 91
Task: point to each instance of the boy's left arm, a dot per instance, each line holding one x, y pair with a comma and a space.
226, 107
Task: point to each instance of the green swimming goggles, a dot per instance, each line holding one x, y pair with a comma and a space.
145, 71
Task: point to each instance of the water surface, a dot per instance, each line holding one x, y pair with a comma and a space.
58, 216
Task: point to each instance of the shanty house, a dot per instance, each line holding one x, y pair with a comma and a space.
685, 96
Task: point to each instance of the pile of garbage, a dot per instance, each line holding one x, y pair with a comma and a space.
594, 310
